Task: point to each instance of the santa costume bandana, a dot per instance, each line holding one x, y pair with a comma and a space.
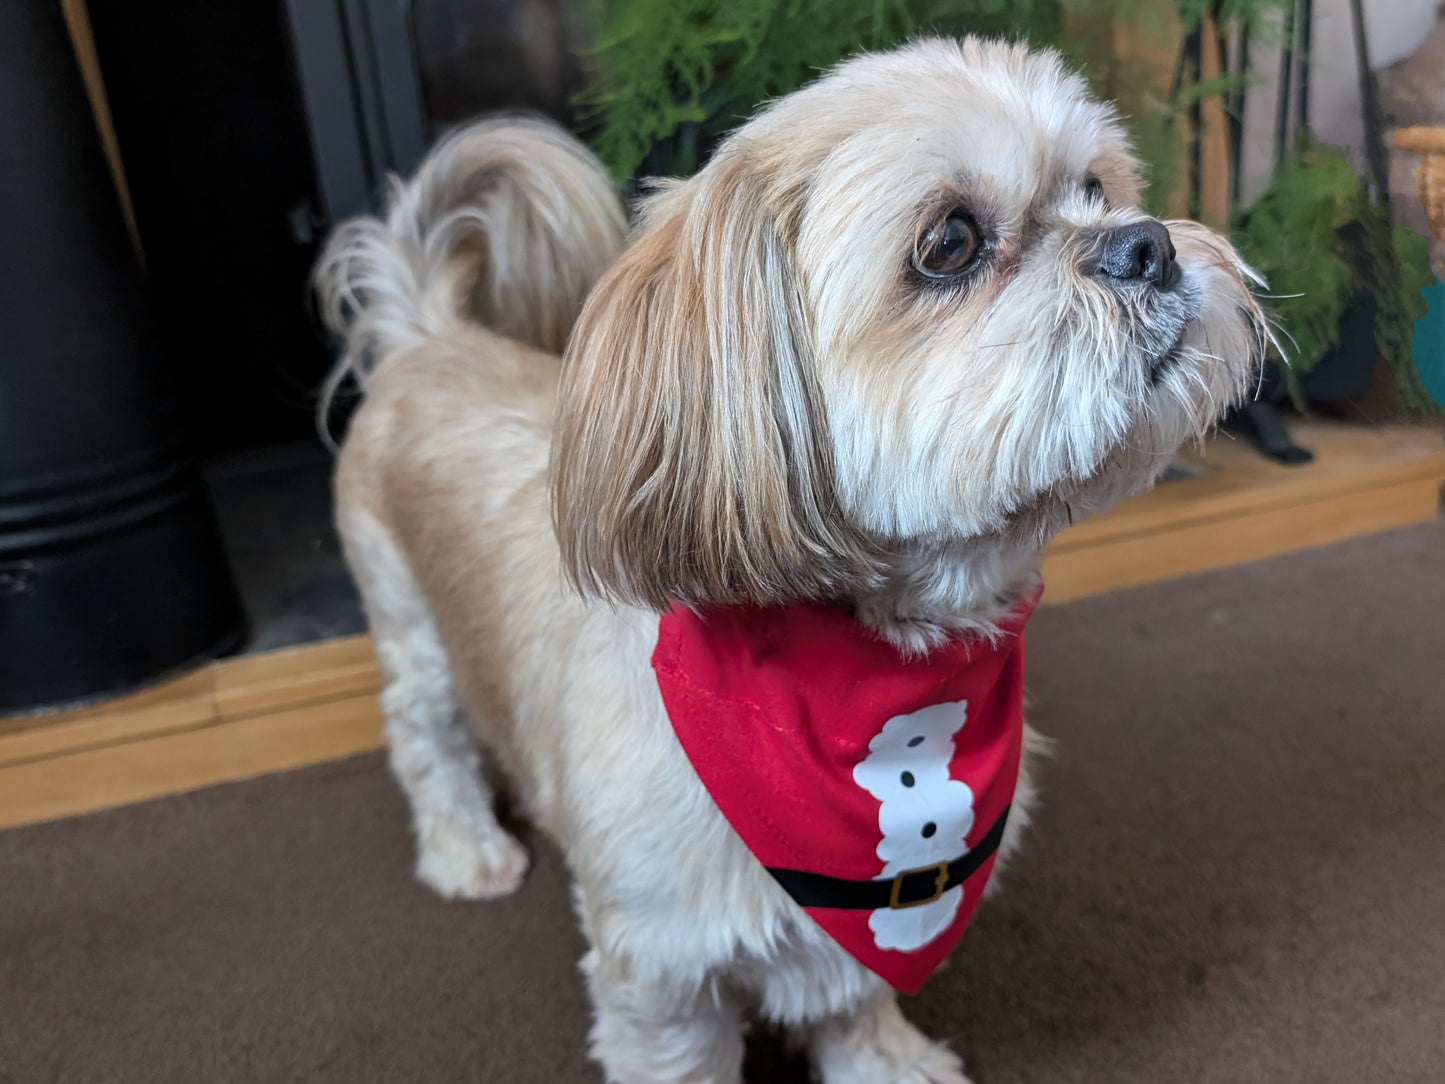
873, 786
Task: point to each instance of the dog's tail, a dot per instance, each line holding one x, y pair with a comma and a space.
507, 223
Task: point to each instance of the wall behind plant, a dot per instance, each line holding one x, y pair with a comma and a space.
1395, 29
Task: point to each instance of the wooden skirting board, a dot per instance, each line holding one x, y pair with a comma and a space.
233, 719
248, 716
1243, 507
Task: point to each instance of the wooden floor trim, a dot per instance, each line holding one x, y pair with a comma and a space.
244, 717
231, 720
226, 691
1218, 543
226, 750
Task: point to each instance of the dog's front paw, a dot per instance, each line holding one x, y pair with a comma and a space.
879, 1046
461, 865
935, 1065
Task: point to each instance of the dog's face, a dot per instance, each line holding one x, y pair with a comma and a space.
913, 303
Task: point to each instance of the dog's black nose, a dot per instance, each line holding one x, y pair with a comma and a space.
1140, 250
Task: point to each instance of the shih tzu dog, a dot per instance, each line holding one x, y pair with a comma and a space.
733, 588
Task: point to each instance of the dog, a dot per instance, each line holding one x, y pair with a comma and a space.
903, 327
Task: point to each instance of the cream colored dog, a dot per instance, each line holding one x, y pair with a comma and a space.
906, 324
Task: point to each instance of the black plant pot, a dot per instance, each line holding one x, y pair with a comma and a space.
112, 570
1346, 371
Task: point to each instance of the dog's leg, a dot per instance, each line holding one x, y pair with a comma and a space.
645, 1033
876, 1045
462, 852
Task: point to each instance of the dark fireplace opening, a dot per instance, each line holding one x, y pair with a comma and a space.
246, 131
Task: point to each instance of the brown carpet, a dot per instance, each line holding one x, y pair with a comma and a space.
1238, 876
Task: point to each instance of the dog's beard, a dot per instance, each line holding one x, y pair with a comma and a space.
1065, 397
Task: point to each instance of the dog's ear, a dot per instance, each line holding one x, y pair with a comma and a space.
691, 461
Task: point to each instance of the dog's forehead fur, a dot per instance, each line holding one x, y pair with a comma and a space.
853, 169
1012, 125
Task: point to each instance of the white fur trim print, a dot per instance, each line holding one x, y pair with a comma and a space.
925, 816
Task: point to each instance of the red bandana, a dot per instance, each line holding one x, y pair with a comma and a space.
871, 785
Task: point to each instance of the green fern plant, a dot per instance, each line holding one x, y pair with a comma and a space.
673, 75
1322, 242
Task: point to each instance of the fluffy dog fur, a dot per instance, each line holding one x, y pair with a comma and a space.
761, 399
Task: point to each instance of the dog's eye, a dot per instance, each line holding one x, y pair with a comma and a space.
1094, 189
948, 248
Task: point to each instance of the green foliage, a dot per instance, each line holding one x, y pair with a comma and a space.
1321, 241
1241, 12
1398, 269
1292, 237
672, 75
